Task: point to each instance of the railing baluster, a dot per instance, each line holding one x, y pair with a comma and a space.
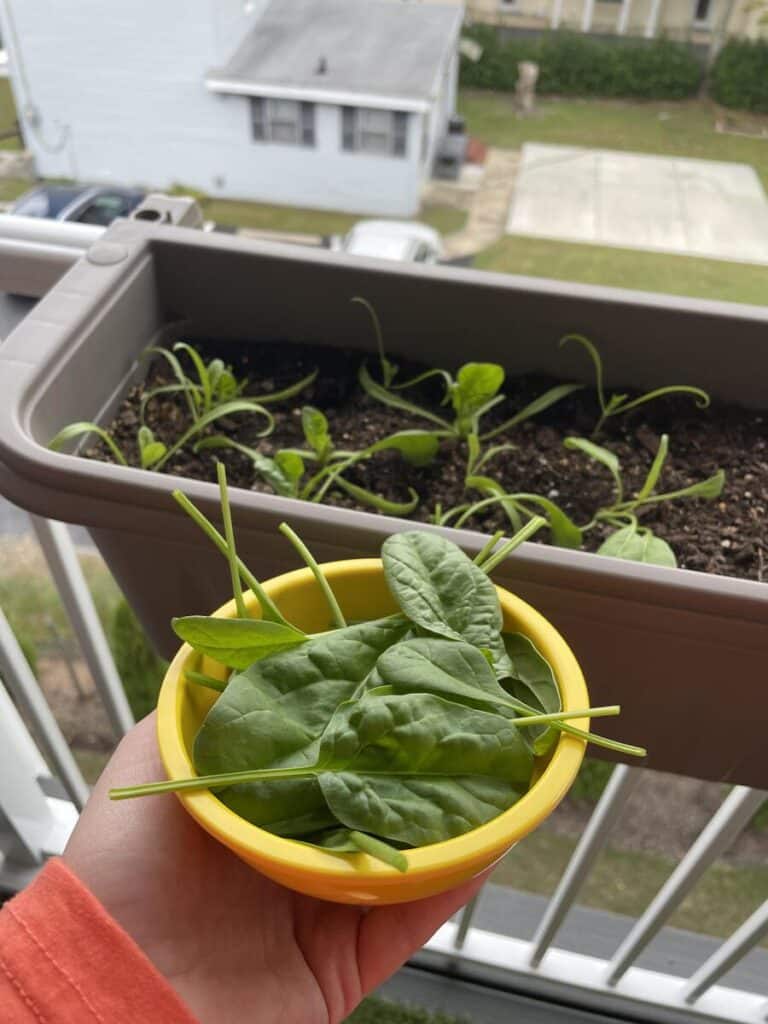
731, 951
466, 920
623, 780
734, 813
62, 560
25, 690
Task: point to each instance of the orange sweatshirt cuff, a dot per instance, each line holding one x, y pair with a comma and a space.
63, 960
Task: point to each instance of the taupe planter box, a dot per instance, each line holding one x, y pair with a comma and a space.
684, 652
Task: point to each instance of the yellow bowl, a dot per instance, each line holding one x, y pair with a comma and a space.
362, 592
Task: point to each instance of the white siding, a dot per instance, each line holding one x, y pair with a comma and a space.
116, 93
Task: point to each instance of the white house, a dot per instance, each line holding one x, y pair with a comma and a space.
335, 104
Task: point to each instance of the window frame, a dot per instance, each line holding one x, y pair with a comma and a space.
264, 117
354, 130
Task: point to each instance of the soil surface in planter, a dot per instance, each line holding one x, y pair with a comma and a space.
724, 536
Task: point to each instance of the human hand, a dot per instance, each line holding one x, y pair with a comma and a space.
234, 945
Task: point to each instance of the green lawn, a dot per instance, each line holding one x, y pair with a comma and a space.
625, 882
311, 222
7, 116
628, 268
673, 129
12, 188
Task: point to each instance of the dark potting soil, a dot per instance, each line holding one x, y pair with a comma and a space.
725, 536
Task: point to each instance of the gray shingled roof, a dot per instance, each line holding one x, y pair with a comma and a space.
379, 47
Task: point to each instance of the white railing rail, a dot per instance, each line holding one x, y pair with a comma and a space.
34, 825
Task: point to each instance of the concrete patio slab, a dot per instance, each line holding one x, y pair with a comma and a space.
635, 201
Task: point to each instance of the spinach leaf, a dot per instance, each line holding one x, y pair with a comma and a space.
236, 643
272, 714
415, 809
445, 668
638, 545
527, 675
459, 672
418, 769
440, 589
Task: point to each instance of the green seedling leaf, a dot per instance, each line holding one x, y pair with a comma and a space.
538, 405
440, 589
239, 405
392, 508
493, 489
236, 643
192, 391
475, 391
565, 533
492, 452
75, 430
315, 427
150, 450
638, 545
655, 471
388, 369
282, 473
290, 392
201, 370
395, 401
601, 455
710, 488
418, 447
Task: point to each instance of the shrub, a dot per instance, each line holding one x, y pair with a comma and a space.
580, 65
591, 781
381, 1011
140, 669
740, 75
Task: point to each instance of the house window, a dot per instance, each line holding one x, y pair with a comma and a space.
288, 122
378, 132
701, 11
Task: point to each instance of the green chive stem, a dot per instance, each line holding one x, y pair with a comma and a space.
531, 527
481, 556
380, 850
229, 533
309, 558
201, 679
269, 609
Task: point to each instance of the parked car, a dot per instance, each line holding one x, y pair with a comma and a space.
408, 241
86, 204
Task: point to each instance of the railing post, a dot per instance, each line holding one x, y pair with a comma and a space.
62, 560
621, 783
731, 817
24, 688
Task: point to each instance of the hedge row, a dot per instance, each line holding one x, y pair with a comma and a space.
580, 65
740, 75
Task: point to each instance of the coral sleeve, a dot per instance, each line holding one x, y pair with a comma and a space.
63, 960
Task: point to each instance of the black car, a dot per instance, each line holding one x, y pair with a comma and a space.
86, 204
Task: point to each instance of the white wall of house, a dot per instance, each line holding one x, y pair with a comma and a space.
116, 93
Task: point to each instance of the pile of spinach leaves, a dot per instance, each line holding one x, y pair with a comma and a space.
377, 735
